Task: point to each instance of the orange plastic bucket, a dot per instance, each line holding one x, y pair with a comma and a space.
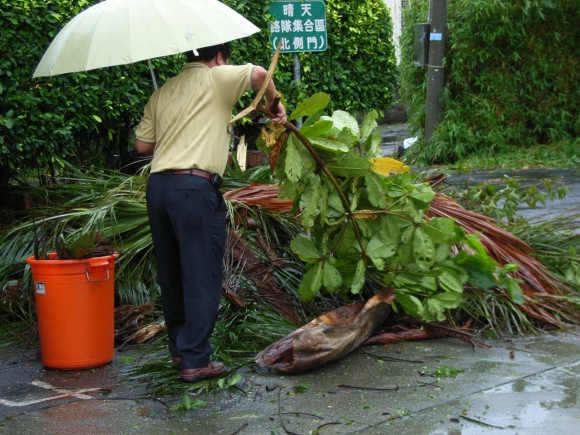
75, 307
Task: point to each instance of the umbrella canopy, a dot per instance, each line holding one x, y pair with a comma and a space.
118, 32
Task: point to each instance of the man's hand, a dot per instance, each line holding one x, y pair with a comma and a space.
278, 110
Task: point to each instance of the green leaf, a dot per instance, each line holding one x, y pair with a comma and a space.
442, 252
310, 106
422, 192
371, 145
405, 253
311, 282
430, 283
349, 166
440, 230
448, 300
317, 129
376, 189
331, 277
433, 310
323, 202
96, 118
347, 241
304, 247
391, 225
358, 280
335, 205
369, 125
408, 280
449, 280
410, 304
482, 279
378, 251
344, 119
293, 162
515, 292
347, 137
329, 145
474, 243
423, 249
408, 235
310, 201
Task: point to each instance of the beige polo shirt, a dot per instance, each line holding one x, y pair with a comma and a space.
187, 118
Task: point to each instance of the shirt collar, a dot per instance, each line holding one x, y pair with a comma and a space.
193, 65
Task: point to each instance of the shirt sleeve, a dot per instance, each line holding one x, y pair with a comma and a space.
146, 128
233, 81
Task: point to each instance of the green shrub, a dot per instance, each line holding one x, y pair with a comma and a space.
512, 69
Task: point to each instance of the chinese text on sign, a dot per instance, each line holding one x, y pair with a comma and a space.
300, 25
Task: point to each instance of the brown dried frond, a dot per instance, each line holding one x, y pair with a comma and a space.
506, 248
262, 195
129, 318
275, 260
277, 149
246, 263
501, 244
232, 296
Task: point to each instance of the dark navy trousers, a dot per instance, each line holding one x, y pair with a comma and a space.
187, 215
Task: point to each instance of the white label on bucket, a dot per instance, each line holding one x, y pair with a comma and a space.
40, 288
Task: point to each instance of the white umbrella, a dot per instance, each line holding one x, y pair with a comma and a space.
118, 32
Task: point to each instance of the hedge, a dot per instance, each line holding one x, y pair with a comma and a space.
512, 72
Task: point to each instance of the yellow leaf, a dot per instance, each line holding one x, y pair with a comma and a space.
387, 165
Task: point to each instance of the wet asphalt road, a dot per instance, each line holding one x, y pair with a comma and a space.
523, 386
570, 178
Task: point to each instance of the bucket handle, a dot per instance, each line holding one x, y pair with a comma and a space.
94, 263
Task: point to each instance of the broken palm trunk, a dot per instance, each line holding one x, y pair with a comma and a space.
328, 337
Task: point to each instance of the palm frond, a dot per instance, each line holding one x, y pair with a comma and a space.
538, 283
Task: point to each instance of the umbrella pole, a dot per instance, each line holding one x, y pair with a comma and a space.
152, 74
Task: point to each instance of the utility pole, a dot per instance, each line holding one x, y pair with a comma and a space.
435, 70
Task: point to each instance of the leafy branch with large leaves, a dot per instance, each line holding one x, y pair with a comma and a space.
364, 217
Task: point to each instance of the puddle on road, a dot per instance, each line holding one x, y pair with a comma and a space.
535, 401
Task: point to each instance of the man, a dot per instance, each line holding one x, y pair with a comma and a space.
185, 124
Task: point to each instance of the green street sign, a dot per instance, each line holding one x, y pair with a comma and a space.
300, 25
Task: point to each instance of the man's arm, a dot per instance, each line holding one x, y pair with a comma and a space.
144, 147
258, 76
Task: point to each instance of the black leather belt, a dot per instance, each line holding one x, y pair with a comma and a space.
196, 172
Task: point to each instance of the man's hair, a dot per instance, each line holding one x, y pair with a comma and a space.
208, 53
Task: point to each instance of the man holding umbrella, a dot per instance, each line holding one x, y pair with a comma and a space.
185, 126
